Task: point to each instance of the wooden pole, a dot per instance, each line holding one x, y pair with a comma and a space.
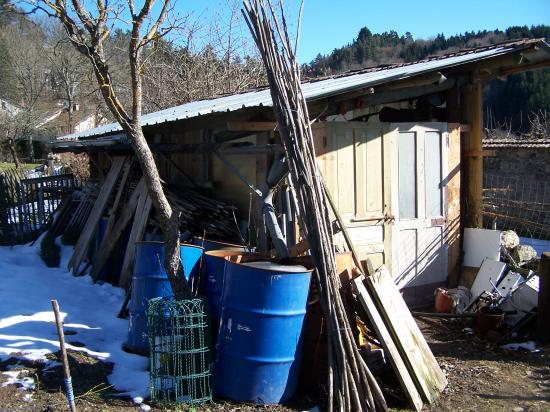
543, 311
474, 164
66, 370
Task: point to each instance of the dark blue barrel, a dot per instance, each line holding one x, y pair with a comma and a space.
258, 345
151, 281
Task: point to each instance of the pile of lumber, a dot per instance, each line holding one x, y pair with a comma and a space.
122, 199
414, 364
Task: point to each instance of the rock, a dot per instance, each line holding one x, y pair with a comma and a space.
523, 254
509, 240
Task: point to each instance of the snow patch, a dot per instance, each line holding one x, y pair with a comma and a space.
25, 383
27, 331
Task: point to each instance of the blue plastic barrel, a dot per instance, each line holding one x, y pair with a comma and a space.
151, 281
258, 345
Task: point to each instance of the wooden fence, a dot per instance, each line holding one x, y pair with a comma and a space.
27, 205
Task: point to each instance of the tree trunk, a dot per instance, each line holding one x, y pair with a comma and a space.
169, 217
13, 152
130, 121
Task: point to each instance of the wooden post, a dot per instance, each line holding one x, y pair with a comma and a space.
66, 370
41, 215
474, 164
543, 311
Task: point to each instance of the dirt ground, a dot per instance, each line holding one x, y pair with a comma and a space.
482, 377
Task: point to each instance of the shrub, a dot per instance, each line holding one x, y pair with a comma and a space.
50, 252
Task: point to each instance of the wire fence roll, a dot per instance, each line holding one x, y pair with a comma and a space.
180, 353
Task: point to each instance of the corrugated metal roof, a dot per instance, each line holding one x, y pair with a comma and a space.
318, 88
519, 143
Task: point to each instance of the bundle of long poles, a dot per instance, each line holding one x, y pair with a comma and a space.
351, 385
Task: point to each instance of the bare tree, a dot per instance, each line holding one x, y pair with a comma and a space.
28, 74
215, 57
68, 71
88, 31
27, 62
13, 128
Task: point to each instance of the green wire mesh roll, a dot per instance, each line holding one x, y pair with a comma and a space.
180, 358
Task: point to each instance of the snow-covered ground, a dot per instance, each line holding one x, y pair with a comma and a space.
27, 330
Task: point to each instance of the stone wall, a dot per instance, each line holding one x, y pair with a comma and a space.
531, 164
516, 190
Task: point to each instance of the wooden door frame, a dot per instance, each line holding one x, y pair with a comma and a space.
392, 225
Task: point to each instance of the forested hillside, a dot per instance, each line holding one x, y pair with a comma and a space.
508, 104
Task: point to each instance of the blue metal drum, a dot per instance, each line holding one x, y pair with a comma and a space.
258, 346
151, 281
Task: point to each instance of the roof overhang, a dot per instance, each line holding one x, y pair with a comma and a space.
525, 55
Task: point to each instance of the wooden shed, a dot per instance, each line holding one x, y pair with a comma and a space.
400, 147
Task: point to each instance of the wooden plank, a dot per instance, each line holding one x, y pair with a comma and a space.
114, 207
113, 235
85, 238
422, 365
388, 343
480, 153
138, 230
251, 126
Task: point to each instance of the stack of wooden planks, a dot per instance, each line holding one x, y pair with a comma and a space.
122, 199
416, 368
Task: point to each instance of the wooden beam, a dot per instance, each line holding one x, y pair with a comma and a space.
474, 165
81, 248
251, 126
405, 93
480, 153
112, 235
136, 234
524, 67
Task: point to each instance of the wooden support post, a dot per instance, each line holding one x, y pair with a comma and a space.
543, 311
474, 165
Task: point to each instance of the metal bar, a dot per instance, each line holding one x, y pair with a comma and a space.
231, 167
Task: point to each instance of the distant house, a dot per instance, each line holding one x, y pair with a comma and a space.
82, 119
400, 148
8, 107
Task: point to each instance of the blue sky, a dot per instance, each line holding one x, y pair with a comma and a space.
330, 24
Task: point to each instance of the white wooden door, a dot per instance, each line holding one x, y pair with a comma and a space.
419, 163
